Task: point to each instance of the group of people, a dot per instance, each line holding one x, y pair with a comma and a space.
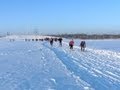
82, 45
59, 39
71, 43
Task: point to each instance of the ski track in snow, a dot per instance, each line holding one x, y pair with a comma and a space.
98, 68
38, 66
31, 66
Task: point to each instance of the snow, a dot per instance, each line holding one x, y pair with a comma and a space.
39, 66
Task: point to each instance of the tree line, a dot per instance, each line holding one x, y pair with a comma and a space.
87, 36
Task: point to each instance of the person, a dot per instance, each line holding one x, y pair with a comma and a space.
83, 45
71, 44
56, 39
60, 41
51, 41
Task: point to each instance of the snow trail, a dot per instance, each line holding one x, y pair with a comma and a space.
38, 66
91, 66
31, 66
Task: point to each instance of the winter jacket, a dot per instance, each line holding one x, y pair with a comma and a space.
71, 43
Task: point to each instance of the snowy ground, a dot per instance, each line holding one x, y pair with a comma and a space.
38, 66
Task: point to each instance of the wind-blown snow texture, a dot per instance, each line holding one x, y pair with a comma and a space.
38, 66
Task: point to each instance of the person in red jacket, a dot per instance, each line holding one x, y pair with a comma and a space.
71, 44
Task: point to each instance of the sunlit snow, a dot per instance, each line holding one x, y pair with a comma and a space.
35, 65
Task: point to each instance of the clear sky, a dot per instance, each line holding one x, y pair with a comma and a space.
60, 16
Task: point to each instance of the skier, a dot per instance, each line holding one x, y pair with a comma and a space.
71, 44
83, 45
60, 41
51, 41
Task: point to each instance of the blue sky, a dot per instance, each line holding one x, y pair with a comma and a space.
60, 16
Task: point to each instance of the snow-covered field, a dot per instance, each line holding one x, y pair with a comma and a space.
38, 66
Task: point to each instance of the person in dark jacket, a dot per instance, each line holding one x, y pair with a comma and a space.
51, 41
83, 45
60, 41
